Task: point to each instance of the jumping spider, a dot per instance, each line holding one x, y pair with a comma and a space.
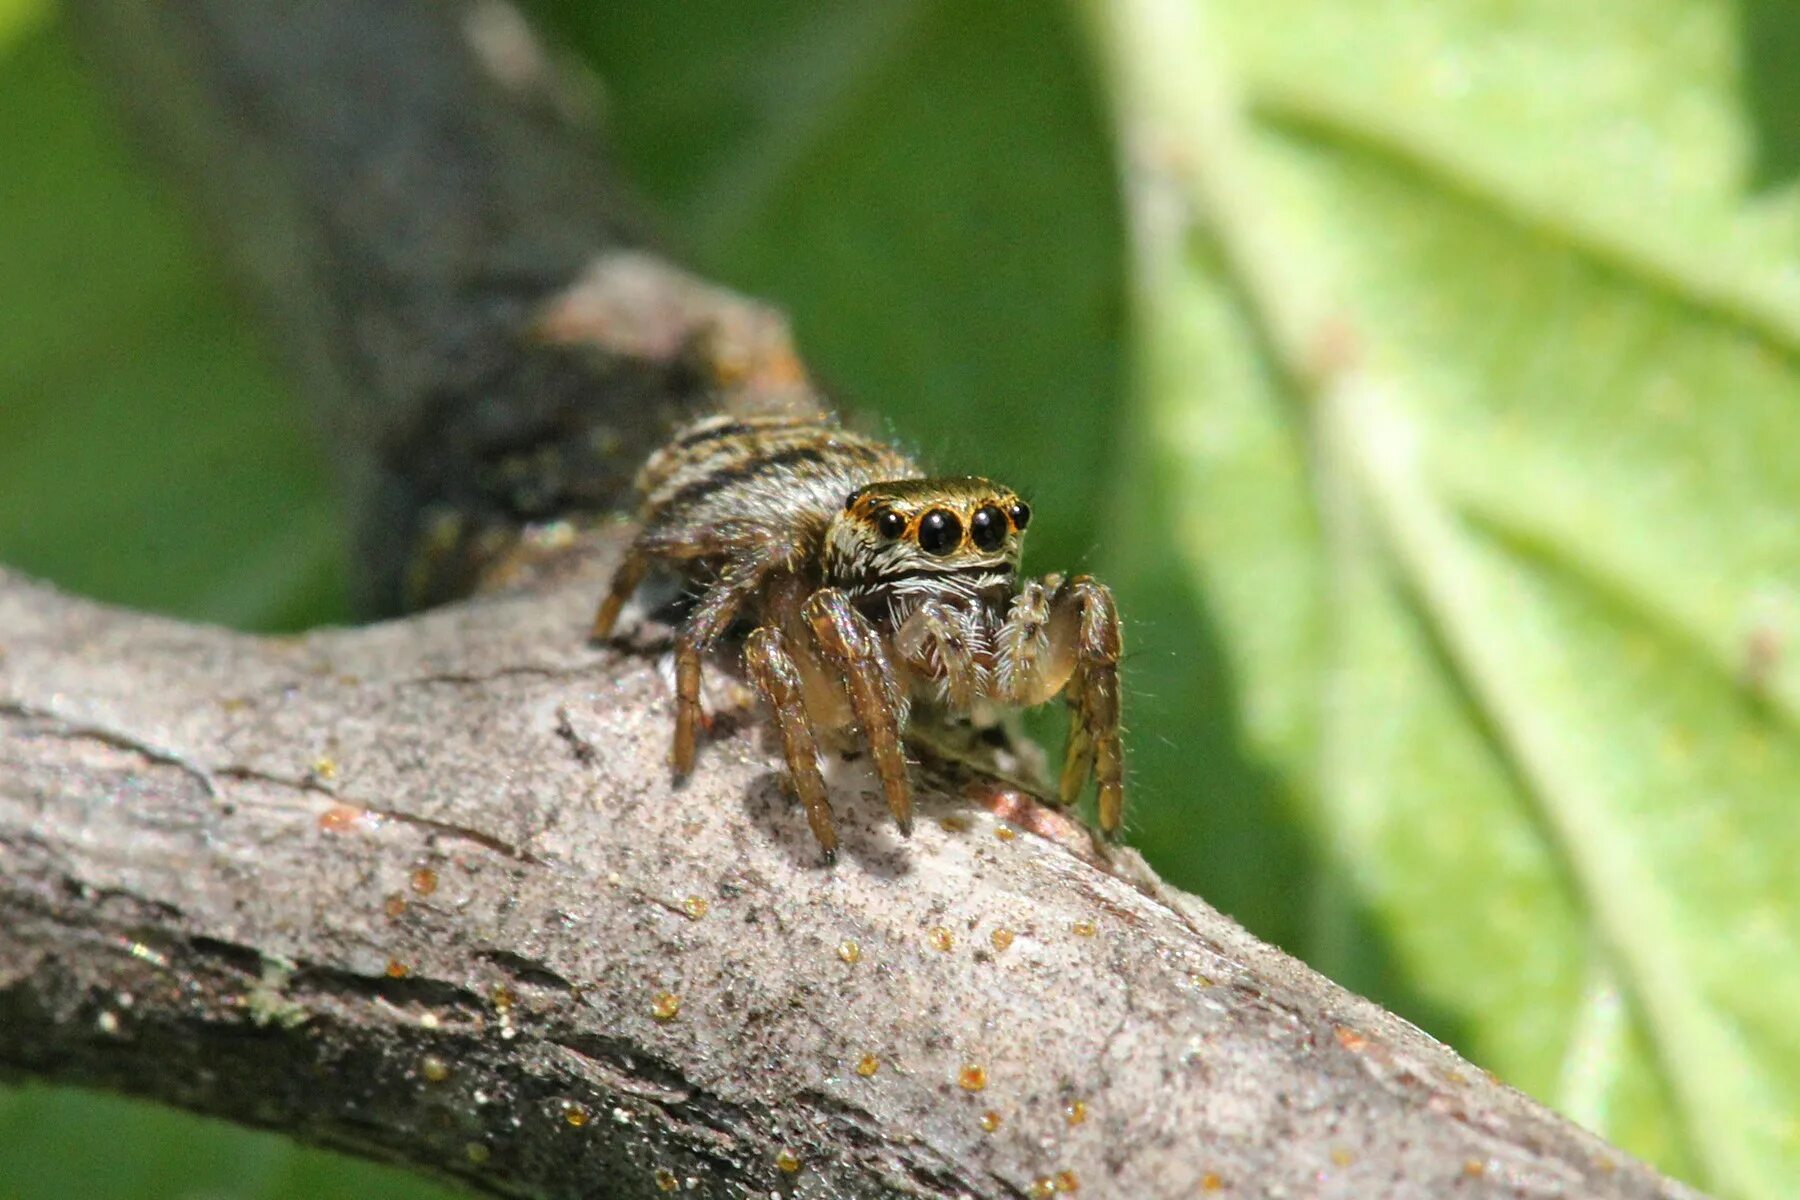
870, 587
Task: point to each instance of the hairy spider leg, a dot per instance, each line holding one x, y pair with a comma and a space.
625, 581
742, 579
777, 677
1094, 740
849, 643
654, 543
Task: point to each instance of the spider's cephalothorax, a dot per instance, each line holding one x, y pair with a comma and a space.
870, 586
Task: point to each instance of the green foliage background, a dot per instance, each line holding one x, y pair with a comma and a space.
1461, 668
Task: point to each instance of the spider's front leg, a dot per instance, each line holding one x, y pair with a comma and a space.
1094, 695
778, 677
850, 644
1063, 635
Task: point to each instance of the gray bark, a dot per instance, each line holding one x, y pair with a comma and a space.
213, 849
424, 891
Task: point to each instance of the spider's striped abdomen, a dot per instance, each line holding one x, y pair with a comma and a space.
737, 472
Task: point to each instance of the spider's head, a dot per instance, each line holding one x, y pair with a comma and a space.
965, 529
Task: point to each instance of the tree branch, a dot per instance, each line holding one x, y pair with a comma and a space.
424, 891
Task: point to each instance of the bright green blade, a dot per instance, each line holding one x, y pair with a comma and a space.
1478, 434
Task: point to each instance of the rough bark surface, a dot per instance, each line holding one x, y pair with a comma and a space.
424, 891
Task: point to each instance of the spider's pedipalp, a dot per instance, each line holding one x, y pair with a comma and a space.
939, 639
1031, 663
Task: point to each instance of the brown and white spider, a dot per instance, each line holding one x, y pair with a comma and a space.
870, 587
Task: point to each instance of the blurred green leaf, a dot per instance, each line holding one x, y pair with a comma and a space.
66, 1144
1476, 413
18, 17
147, 455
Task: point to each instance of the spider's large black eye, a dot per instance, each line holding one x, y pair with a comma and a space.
988, 527
1020, 514
891, 524
939, 532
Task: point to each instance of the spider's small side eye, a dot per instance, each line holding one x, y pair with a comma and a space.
891, 524
851, 499
939, 532
1020, 513
988, 527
